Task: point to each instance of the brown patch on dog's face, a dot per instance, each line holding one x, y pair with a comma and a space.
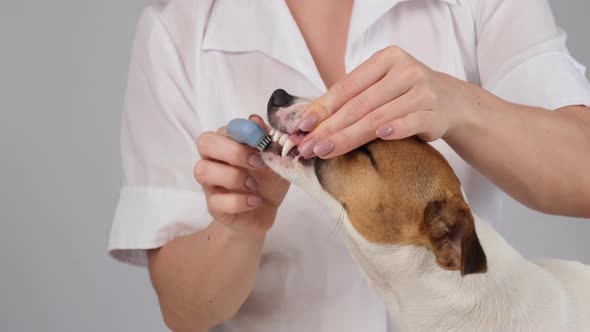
404, 192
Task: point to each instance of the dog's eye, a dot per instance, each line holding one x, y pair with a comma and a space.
365, 151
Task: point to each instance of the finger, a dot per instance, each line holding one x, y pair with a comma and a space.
231, 203
427, 124
215, 146
362, 77
213, 174
343, 142
365, 130
389, 88
272, 186
222, 131
259, 121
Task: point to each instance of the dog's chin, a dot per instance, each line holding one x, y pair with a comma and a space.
302, 174
293, 169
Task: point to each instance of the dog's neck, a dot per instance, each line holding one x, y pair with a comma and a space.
423, 297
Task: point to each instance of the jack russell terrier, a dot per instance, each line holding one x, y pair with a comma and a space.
436, 266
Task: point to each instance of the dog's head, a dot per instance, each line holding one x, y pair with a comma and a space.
394, 192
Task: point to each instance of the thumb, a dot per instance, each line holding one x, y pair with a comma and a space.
259, 121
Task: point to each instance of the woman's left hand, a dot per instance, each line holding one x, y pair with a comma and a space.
391, 96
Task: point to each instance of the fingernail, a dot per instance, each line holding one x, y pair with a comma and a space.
323, 148
251, 184
306, 149
307, 123
255, 116
256, 161
384, 131
254, 201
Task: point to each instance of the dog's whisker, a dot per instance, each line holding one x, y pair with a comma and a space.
339, 223
341, 219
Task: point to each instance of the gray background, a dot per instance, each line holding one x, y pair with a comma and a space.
63, 67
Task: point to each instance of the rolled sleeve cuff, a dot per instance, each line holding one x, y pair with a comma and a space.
148, 217
552, 81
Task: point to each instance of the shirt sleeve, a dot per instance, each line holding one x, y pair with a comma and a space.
522, 55
160, 199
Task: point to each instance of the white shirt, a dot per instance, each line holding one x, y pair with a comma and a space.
197, 64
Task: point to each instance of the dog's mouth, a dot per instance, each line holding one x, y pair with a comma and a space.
284, 112
285, 145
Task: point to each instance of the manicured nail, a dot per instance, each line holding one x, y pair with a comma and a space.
306, 149
384, 131
323, 148
251, 184
256, 161
307, 123
254, 201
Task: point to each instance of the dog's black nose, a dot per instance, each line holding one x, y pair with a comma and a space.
280, 98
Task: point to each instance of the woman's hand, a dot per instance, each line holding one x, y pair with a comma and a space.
391, 96
202, 279
242, 193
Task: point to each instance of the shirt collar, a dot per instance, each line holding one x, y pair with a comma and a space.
267, 26
366, 13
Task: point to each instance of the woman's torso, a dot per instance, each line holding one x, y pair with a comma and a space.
307, 280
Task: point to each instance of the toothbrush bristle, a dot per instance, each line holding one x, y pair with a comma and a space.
264, 142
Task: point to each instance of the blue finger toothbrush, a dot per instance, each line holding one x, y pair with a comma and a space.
248, 132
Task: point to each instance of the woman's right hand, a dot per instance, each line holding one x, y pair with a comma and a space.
204, 278
242, 193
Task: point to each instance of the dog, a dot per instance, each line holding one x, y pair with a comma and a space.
408, 226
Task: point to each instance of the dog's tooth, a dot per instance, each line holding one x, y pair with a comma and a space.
276, 136
283, 139
271, 132
287, 147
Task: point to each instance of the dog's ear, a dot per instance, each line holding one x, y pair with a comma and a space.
450, 233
